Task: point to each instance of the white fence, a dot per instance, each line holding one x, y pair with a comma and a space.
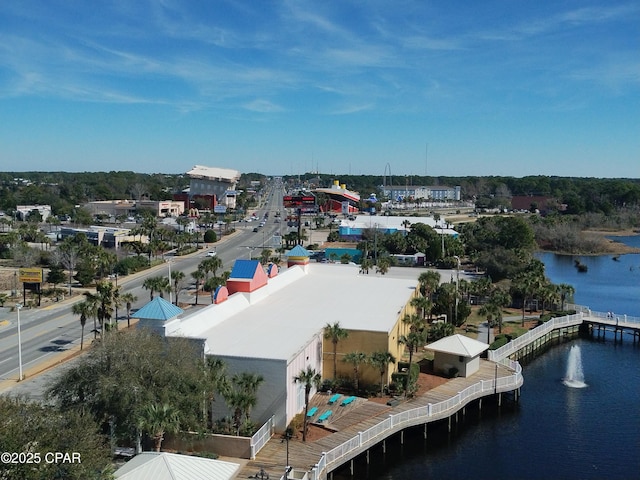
428, 413
533, 335
394, 423
610, 318
262, 436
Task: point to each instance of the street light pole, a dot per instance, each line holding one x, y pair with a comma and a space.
18, 307
170, 297
457, 286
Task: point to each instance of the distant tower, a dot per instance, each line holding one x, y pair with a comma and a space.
384, 178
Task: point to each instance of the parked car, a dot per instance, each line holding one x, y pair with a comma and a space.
255, 229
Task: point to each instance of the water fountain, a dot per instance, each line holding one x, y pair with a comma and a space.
574, 377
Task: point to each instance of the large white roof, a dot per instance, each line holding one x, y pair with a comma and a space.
395, 222
277, 320
214, 173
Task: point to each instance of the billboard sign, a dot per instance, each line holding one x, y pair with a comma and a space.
30, 275
296, 201
220, 209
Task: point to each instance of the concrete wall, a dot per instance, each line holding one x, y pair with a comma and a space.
271, 393
224, 445
442, 362
369, 342
309, 356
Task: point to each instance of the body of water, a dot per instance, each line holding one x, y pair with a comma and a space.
555, 431
611, 283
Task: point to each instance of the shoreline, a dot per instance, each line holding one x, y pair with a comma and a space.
610, 245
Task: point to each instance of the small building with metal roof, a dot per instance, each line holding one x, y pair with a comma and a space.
457, 354
159, 316
172, 466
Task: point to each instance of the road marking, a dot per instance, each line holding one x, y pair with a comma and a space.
4, 323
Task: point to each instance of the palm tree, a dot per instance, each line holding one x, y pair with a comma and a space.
242, 396
428, 282
335, 333
423, 304
128, 299
413, 341
93, 301
309, 378
383, 265
157, 420
198, 276
566, 291
550, 296
356, 359
177, 276
215, 380
381, 361
501, 298
527, 285
264, 256
210, 265
107, 296
157, 284
85, 310
365, 265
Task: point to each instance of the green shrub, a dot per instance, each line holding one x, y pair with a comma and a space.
499, 341
210, 237
130, 265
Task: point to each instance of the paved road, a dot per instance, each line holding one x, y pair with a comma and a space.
53, 332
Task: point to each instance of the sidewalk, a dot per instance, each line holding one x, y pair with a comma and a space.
36, 377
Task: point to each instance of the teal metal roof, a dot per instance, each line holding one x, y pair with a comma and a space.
298, 251
158, 309
244, 269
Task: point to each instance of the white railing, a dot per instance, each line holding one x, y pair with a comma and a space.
262, 436
610, 318
412, 417
433, 411
532, 335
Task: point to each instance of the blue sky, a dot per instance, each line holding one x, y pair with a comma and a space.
491, 87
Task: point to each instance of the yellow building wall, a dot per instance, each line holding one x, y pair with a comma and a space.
368, 342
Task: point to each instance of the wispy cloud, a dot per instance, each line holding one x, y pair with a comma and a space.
263, 106
351, 109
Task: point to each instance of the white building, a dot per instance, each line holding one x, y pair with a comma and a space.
274, 326
413, 192
207, 181
23, 211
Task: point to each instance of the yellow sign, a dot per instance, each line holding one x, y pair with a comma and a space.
30, 275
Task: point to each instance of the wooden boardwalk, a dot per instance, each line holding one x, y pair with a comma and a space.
346, 422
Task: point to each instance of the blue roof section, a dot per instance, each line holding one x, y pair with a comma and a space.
158, 309
244, 269
298, 251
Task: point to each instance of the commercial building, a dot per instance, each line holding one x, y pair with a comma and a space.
273, 324
105, 236
217, 186
126, 208
414, 193
353, 227
23, 211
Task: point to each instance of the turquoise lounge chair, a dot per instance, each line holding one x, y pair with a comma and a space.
334, 398
324, 416
347, 401
312, 412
